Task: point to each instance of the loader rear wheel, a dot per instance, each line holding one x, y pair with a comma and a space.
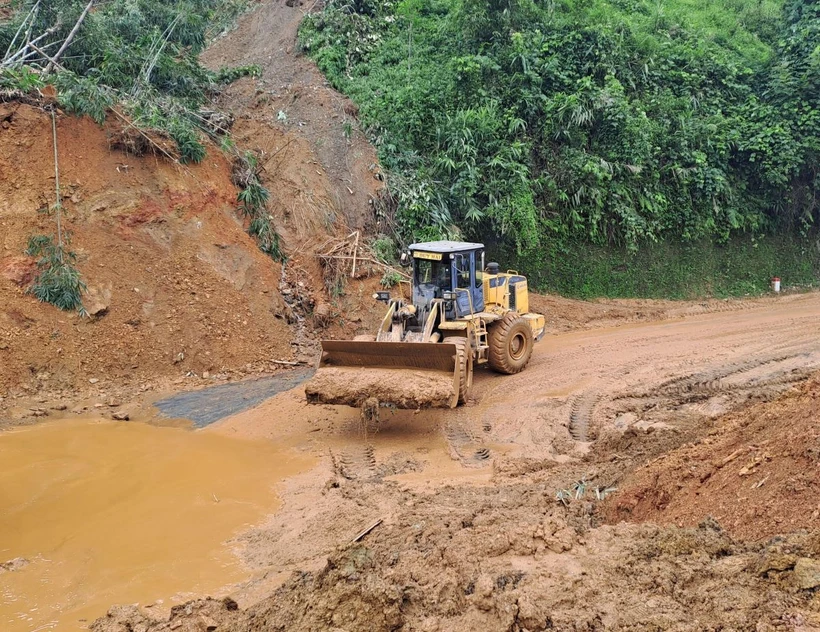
510, 344
465, 366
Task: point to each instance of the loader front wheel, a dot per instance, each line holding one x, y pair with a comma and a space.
510, 344
465, 366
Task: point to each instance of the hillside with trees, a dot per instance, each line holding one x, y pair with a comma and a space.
620, 147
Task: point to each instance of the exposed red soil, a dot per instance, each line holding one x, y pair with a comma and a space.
756, 473
180, 285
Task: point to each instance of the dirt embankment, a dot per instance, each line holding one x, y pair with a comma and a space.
756, 473
175, 283
291, 109
181, 289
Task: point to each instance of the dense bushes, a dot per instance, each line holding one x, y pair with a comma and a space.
613, 122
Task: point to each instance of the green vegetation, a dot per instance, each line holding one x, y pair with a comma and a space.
253, 202
681, 270
595, 137
139, 54
58, 281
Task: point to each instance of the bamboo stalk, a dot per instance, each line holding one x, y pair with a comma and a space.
59, 206
71, 35
9, 61
22, 24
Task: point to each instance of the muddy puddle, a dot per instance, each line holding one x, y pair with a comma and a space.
104, 512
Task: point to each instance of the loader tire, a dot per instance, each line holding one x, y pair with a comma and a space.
510, 344
465, 367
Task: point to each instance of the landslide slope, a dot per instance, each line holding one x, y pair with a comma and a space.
290, 111
179, 285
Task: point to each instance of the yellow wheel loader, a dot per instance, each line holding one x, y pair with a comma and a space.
461, 314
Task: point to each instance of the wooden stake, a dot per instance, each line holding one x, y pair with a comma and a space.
355, 251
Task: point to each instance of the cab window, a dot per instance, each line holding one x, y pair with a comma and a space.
463, 271
433, 272
479, 273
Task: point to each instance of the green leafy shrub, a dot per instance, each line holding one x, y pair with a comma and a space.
390, 278
384, 249
58, 282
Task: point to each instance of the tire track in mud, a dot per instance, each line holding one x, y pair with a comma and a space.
712, 380
355, 462
580, 416
768, 374
465, 446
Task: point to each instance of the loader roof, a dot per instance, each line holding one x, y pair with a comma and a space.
446, 246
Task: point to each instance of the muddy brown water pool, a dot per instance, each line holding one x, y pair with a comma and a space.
104, 512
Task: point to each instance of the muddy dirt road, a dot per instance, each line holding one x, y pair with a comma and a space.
489, 516
586, 385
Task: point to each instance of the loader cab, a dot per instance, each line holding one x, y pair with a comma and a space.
449, 270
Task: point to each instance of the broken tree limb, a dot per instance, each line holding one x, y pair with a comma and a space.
366, 530
71, 35
45, 55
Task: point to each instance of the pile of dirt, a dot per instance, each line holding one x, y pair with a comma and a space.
175, 285
756, 473
403, 388
507, 557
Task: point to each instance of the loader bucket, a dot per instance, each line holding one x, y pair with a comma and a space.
402, 374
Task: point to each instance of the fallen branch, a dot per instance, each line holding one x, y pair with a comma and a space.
44, 54
368, 260
366, 530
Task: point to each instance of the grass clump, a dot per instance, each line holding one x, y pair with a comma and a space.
253, 203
